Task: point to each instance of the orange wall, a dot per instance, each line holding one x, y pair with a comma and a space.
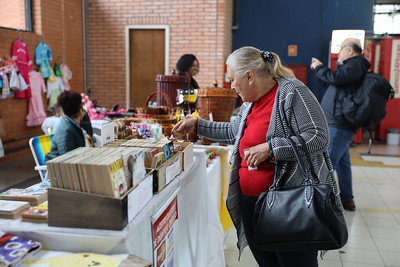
202, 28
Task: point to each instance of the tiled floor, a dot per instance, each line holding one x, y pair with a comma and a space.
374, 228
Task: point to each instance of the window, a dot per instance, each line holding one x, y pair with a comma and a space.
386, 19
16, 14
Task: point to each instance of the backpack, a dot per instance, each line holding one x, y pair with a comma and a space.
365, 107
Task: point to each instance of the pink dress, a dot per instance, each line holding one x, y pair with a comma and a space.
67, 75
20, 54
36, 114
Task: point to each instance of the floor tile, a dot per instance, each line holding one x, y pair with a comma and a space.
364, 256
230, 240
361, 242
380, 232
355, 264
384, 159
354, 218
358, 230
333, 255
247, 259
329, 263
391, 258
387, 244
381, 219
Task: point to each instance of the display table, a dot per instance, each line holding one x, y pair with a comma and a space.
224, 154
197, 229
215, 231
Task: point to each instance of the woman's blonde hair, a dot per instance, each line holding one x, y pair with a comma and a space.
251, 58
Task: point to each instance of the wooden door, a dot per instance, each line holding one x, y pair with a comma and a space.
146, 60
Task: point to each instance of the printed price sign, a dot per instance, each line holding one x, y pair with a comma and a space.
163, 233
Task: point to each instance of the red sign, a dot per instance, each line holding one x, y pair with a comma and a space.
164, 223
292, 50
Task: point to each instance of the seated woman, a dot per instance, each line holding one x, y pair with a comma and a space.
75, 129
188, 65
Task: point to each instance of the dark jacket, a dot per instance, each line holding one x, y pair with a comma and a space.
69, 136
347, 78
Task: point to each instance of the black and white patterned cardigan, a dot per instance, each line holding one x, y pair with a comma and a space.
306, 118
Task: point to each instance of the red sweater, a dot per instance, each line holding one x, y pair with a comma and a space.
253, 183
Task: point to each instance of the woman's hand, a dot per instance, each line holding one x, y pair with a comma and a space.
257, 154
184, 127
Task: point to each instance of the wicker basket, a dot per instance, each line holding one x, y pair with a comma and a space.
148, 112
168, 84
218, 101
164, 115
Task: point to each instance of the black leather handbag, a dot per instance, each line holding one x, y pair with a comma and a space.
302, 218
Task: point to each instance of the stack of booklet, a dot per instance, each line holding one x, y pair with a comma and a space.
34, 194
155, 151
37, 213
106, 171
12, 209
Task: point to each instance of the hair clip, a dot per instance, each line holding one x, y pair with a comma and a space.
266, 56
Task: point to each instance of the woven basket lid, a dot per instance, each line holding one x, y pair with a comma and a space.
216, 92
172, 78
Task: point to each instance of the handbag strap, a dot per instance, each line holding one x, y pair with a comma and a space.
301, 165
305, 149
307, 153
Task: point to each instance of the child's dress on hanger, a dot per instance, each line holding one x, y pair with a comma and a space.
67, 75
20, 55
54, 89
36, 114
43, 58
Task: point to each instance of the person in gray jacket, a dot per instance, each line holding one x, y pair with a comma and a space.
75, 129
267, 89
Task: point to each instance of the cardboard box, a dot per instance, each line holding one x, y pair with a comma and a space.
68, 208
187, 154
104, 129
167, 171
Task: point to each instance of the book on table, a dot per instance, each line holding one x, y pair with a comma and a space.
37, 213
34, 194
10, 209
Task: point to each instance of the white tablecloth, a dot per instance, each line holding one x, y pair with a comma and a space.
198, 236
215, 231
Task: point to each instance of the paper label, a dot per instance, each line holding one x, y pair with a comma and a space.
172, 170
139, 197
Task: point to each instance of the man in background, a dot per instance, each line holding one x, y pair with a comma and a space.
352, 67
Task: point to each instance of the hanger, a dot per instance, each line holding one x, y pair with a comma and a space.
19, 35
42, 38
